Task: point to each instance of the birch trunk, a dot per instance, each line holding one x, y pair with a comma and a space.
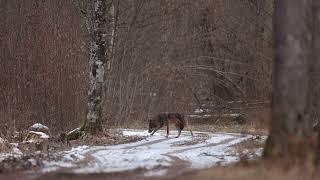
100, 25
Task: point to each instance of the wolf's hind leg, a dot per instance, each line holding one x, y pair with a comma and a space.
191, 132
179, 133
179, 125
188, 128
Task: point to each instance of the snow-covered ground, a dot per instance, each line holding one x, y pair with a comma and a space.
155, 154
15, 152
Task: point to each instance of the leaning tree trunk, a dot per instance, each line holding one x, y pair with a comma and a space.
99, 22
291, 127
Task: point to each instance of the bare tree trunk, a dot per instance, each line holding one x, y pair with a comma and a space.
315, 68
291, 125
99, 21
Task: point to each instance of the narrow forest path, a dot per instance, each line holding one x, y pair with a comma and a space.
153, 156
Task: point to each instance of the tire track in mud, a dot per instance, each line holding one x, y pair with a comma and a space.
148, 143
206, 145
152, 142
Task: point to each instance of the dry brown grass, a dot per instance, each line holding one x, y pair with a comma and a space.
256, 123
252, 143
230, 126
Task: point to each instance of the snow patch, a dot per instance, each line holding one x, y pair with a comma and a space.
50, 166
16, 153
155, 153
32, 161
76, 153
198, 111
41, 134
74, 130
2, 141
128, 132
259, 151
69, 159
208, 156
39, 126
160, 172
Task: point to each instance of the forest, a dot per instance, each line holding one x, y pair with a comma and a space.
109, 89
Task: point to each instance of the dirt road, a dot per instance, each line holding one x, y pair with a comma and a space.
153, 156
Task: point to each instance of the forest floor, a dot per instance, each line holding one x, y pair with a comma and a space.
138, 156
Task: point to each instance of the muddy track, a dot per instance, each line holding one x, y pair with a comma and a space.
153, 156
207, 145
148, 143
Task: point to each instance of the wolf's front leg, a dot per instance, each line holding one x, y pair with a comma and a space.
154, 131
167, 129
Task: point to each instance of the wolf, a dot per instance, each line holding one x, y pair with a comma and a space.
166, 118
